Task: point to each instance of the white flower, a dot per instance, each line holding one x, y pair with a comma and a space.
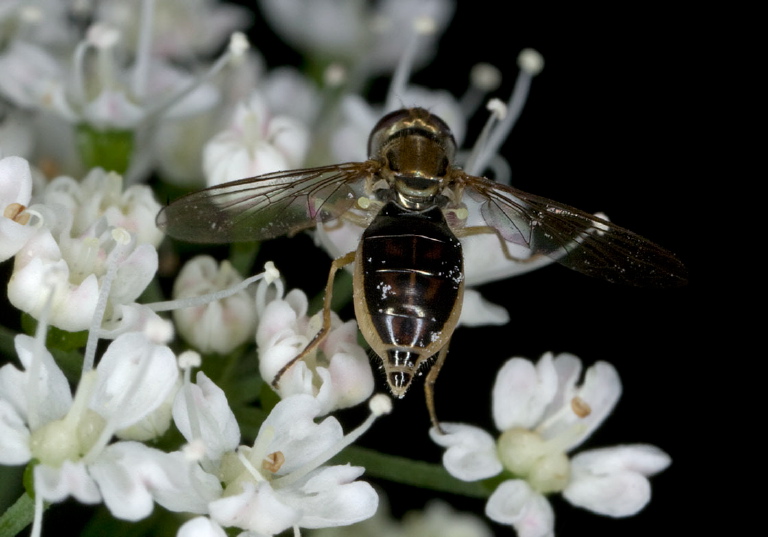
15, 193
180, 30
76, 268
101, 194
279, 482
81, 249
371, 35
218, 326
337, 373
542, 415
179, 142
29, 74
290, 93
256, 142
69, 437
108, 96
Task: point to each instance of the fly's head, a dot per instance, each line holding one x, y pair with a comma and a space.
416, 149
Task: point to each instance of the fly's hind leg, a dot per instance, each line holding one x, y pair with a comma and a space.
429, 386
326, 326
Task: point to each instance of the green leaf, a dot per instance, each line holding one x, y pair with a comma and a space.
108, 149
7, 346
55, 338
242, 256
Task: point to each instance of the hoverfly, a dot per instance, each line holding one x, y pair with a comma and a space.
408, 277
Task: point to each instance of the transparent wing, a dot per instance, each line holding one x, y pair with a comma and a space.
574, 238
266, 206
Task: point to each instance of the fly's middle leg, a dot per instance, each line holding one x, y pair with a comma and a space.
326, 326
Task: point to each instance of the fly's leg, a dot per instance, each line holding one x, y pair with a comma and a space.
326, 326
481, 230
429, 386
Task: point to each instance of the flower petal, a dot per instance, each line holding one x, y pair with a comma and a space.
70, 479
514, 502
612, 481
218, 427
477, 311
53, 395
131, 476
135, 377
201, 527
471, 453
14, 436
522, 392
331, 497
295, 434
256, 509
600, 391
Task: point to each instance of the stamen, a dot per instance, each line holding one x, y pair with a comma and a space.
238, 45
271, 278
273, 462
41, 331
334, 75
103, 38
77, 81
250, 467
379, 405
195, 452
203, 299
16, 212
37, 521
530, 63
30, 14
110, 426
580, 407
483, 79
38, 218
159, 331
271, 274
498, 112
122, 239
421, 26
188, 360
143, 50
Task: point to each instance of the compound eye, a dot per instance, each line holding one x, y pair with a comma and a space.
384, 128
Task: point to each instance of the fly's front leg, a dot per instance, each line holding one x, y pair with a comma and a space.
326, 326
429, 386
482, 230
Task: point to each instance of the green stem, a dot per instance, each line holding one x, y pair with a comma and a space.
17, 517
410, 472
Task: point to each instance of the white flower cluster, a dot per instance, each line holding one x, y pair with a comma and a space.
96, 98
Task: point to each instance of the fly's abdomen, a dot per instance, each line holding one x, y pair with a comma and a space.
411, 268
